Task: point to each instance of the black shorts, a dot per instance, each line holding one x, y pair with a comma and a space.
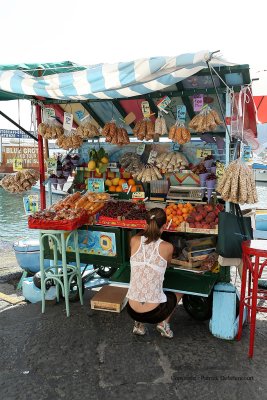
158, 314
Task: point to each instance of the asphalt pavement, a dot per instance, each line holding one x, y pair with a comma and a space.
94, 355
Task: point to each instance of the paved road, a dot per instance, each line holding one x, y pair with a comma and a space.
93, 355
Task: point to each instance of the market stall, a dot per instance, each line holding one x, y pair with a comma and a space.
160, 140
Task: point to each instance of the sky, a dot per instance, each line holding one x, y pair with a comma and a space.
90, 32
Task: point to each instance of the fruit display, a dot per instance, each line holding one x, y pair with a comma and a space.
131, 162
115, 185
124, 210
50, 130
115, 135
90, 202
206, 120
160, 126
204, 216
147, 174
20, 182
87, 130
69, 141
178, 213
237, 184
98, 160
170, 162
64, 214
179, 133
144, 129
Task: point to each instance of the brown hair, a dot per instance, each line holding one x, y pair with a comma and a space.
155, 219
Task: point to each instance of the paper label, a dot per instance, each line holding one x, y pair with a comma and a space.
181, 113
198, 102
140, 149
51, 164
202, 153
50, 112
138, 195
31, 203
145, 109
163, 103
96, 185
80, 114
152, 156
68, 120
125, 186
246, 154
17, 164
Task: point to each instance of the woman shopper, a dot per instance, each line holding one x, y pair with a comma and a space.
147, 302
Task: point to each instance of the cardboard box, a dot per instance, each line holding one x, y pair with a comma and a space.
109, 298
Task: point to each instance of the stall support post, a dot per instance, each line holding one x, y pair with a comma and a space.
41, 159
227, 137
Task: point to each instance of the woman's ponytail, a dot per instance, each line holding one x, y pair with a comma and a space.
156, 218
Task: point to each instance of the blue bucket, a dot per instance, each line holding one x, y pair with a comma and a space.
27, 253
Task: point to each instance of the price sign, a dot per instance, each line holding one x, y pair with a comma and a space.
50, 112
181, 113
51, 164
125, 187
17, 164
145, 109
80, 114
68, 120
152, 156
96, 185
202, 153
163, 103
246, 154
31, 203
140, 149
138, 195
198, 102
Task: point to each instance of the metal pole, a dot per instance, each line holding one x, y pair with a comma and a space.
41, 159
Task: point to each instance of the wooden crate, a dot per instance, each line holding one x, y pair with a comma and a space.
188, 264
109, 298
201, 230
180, 228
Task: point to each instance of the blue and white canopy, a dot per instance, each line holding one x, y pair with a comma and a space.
104, 81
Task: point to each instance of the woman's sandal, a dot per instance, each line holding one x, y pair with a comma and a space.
164, 329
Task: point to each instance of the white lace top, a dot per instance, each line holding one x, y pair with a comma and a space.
147, 273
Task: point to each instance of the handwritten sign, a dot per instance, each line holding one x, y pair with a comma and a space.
17, 164
140, 149
95, 185
181, 113
152, 157
198, 102
80, 114
138, 195
51, 164
31, 203
68, 120
246, 153
163, 103
202, 153
125, 187
50, 112
145, 109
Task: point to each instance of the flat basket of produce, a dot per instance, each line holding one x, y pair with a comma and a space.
65, 220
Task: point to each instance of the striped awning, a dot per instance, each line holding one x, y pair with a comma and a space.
104, 81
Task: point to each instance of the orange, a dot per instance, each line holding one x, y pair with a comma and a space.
112, 188
180, 205
174, 212
169, 217
118, 189
168, 211
179, 212
184, 210
134, 188
131, 182
121, 181
174, 206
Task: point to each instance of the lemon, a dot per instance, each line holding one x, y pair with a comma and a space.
108, 182
115, 181
91, 165
104, 160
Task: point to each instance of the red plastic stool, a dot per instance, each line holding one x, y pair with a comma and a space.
254, 255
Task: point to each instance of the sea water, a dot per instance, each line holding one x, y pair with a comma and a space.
14, 225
